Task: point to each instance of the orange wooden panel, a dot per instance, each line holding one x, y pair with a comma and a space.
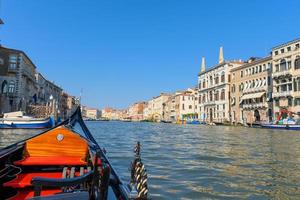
57, 142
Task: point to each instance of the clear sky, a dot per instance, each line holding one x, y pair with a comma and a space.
122, 51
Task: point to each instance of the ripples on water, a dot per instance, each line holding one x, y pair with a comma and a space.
201, 162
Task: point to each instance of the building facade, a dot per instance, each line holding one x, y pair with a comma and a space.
91, 113
286, 77
251, 91
214, 91
17, 78
156, 107
136, 111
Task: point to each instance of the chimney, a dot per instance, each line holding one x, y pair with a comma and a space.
221, 56
203, 65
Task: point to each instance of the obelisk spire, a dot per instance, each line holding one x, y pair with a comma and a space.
221, 56
203, 65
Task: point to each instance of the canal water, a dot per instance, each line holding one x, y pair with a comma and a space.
202, 162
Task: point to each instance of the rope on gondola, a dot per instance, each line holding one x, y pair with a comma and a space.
139, 175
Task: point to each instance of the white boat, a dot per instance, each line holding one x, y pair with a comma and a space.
19, 120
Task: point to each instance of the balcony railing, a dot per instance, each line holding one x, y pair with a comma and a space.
282, 73
255, 105
282, 94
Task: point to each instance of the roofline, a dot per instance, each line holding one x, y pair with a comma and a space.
19, 51
252, 63
286, 43
213, 67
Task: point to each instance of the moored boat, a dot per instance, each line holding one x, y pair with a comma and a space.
282, 126
17, 120
66, 162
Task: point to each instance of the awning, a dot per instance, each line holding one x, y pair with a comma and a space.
252, 95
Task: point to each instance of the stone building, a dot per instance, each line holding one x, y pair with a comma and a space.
91, 113
156, 107
214, 90
251, 89
286, 77
17, 79
136, 111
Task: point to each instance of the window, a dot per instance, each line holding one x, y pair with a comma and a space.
182, 98
203, 98
204, 83
223, 94
277, 68
297, 63
276, 102
199, 85
283, 65
11, 87
281, 50
182, 106
242, 74
217, 79
256, 69
260, 68
199, 100
288, 48
276, 53
290, 101
297, 46
210, 96
4, 87
297, 102
223, 77
190, 106
223, 106
216, 95
12, 62
290, 87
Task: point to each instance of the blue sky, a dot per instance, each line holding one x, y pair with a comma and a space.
119, 52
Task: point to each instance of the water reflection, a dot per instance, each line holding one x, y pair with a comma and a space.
199, 162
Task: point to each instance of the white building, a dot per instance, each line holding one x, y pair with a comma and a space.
214, 90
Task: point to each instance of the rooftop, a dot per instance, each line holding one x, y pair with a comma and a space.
287, 43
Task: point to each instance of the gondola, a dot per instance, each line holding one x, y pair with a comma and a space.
66, 162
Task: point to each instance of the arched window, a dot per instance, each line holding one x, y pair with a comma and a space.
203, 98
210, 96
217, 95
283, 65
4, 87
223, 77
217, 79
223, 94
297, 63
11, 87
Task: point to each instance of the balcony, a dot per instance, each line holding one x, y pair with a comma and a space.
255, 105
284, 73
209, 103
12, 68
282, 94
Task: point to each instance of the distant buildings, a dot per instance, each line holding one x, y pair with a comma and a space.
90, 113
156, 107
136, 111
